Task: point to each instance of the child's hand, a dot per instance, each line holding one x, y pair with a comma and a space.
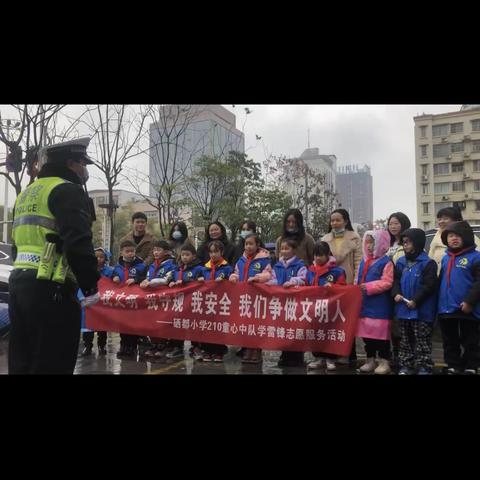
411, 305
466, 307
116, 279
233, 279
219, 279
171, 284
144, 284
288, 284
130, 281
328, 284
201, 279
398, 298
251, 280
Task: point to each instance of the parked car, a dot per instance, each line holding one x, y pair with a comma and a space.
6, 267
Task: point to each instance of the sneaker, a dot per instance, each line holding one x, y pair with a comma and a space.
405, 371
383, 367
453, 371
176, 352
331, 365
218, 358
316, 364
424, 371
197, 353
368, 366
207, 357
470, 371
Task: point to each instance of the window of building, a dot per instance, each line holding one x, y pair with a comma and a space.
476, 125
442, 187
456, 127
425, 208
457, 147
457, 167
477, 205
426, 225
425, 189
424, 169
423, 131
476, 185
460, 205
476, 165
440, 205
458, 186
423, 150
440, 130
441, 150
441, 169
476, 146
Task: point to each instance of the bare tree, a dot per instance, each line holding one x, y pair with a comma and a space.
34, 129
117, 131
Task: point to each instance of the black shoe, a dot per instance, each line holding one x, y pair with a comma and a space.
123, 352
87, 351
291, 362
240, 352
102, 350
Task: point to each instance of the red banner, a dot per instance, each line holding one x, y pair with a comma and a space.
309, 319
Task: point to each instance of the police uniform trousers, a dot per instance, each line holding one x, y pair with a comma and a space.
45, 325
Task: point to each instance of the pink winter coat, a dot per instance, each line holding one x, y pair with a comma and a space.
374, 327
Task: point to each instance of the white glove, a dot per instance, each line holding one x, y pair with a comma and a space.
90, 300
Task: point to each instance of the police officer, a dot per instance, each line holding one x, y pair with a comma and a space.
53, 256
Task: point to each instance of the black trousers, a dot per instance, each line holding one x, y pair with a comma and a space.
214, 348
128, 341
45, 325
374, 346
88, 339
461, 333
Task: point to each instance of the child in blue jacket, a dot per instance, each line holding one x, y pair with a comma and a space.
415, 293
217, 269
459, 299
126, 270
105, 270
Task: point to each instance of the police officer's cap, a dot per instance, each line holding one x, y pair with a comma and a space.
60, 152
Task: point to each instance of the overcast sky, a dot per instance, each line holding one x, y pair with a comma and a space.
381, 136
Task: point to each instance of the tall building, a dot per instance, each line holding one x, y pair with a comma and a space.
325, 165
447, 164
184, 133
355, 192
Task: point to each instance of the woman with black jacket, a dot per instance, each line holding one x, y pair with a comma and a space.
216, 231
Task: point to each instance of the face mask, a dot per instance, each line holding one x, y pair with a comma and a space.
292, 230
177, 235
245, 233
84, 176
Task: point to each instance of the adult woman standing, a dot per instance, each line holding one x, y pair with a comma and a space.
397, 223
293, 228
246, 228
216, 231
177, 237
346, 247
